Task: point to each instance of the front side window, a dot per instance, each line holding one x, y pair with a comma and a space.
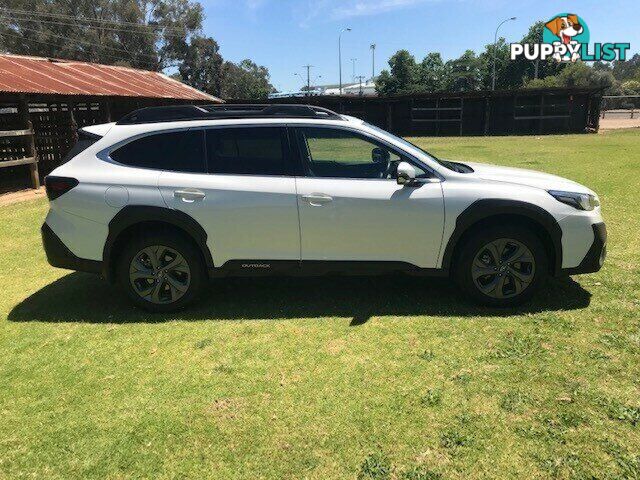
174, 151
247, 151
340, 153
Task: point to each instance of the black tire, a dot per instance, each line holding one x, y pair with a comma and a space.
192, 276
510, 278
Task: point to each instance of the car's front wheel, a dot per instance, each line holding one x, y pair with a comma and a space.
161, 272
502, 266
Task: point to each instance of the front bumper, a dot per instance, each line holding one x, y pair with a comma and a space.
595, 257
60, 256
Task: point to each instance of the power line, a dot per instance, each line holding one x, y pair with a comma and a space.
25, 18
94, 20
150, 65
89, 43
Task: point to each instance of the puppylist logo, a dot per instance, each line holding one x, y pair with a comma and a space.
566, 38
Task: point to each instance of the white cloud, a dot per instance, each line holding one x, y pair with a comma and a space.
255, 4
359, 8
312, 10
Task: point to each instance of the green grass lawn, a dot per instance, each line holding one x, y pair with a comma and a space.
332, 378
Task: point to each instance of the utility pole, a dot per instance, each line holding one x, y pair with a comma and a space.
308, 67
373, 61
360, 78
353, 74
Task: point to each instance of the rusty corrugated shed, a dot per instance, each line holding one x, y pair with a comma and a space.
22, 74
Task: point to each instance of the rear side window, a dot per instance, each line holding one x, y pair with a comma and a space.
174, 151
85, 140
247, 151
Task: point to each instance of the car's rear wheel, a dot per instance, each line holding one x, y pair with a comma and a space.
502, 266
161, 272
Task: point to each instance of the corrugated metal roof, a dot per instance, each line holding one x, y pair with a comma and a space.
22, 74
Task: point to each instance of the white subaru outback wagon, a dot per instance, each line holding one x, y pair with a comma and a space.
169, 197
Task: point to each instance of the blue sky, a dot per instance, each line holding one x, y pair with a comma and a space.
284, 35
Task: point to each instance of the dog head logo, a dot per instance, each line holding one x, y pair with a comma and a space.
566, 28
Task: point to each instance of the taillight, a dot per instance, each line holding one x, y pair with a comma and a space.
57, 186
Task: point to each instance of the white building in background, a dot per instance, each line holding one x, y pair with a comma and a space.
366, 89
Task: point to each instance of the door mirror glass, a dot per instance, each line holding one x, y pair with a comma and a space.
380, 155
406, 174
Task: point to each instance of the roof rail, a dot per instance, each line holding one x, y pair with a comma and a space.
177, 113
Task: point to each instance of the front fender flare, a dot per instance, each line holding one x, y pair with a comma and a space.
487, 208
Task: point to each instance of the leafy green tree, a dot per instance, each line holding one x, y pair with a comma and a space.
202, 65
631, 87
245, 80
464, 73
151, 34
627, 70
431, 74
576, 75
401, 77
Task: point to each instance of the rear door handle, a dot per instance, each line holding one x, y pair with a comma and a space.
189, 195
317, 199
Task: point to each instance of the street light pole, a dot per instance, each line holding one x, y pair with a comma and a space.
353, 74
340, 56
373, 61
495, 41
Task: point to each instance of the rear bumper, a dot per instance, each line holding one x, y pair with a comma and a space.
595, 257
59, 255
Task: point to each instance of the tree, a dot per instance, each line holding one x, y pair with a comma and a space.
431, 73
151, 34
245, 80
631, 87
202, 65
402, 75
627, 70
576, 75
464, 73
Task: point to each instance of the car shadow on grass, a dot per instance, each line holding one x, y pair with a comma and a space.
84, 298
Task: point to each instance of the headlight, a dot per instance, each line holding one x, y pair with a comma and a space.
581, 201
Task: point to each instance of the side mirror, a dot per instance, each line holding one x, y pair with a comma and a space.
406, 174
380, 155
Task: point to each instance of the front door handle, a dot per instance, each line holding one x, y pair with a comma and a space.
317, 199
189, 195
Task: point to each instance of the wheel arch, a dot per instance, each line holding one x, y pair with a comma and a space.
488, 212
133, 219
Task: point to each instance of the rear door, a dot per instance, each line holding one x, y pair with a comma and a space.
246, 197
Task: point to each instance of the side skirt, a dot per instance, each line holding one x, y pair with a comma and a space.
312, 268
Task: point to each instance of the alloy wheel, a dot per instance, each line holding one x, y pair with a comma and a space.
503, 268
159, 274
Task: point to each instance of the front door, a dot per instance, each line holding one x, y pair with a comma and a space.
352, 209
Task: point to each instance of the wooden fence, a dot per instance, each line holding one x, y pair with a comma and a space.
37, 131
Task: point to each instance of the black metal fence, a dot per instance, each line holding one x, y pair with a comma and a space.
514, 112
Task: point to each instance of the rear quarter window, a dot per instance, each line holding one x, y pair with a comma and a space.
85, 140
174, 151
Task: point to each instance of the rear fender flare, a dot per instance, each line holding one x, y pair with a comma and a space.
132, 215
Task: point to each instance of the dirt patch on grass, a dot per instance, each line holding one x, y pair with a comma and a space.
21, 196
617, 123
226, 408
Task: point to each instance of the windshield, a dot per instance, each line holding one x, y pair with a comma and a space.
411, 146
